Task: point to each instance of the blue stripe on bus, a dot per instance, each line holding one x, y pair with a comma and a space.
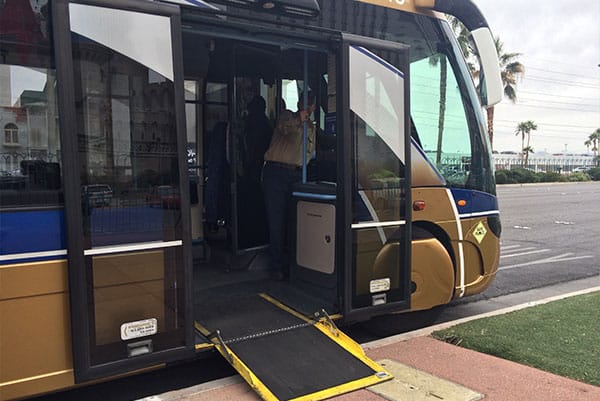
476, 201
32, 231
314, 196
379, 60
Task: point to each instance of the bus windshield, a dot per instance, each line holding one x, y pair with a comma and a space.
447, 120
447, 124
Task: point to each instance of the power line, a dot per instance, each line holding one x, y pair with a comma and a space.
542, 128
557, 108
521, 91
559, 72
550, 133
544, 101
553, 125
571, 65
568, 83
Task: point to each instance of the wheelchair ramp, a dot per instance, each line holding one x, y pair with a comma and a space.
284, 355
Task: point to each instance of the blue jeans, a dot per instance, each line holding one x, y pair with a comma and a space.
277, 187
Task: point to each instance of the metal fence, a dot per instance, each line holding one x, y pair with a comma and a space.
556, 163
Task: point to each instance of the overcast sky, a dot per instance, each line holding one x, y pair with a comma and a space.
560, 91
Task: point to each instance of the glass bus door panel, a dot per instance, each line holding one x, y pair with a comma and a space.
131, 162
250, 134
379, 229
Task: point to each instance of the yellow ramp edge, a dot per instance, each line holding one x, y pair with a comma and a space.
382, 375
410, 384
328, 329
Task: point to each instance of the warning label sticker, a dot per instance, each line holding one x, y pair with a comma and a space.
479, 232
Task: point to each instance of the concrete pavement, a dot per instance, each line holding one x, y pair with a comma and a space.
435, 370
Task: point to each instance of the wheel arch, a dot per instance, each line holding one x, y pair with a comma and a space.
432, 268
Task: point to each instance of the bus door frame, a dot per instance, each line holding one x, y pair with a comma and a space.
79, 279
346, 169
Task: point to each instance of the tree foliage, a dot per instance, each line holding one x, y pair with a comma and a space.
593, 141
525, 128
511, 69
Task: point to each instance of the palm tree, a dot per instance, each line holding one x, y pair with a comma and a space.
526, 151
593, 140
510, 68
462, 37
525, 128
433, 61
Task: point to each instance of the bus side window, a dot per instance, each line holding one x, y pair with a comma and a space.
30, 171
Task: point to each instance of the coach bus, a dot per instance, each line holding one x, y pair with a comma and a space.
133, 231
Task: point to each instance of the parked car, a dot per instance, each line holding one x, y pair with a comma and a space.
97, 194
580, 169
164, 196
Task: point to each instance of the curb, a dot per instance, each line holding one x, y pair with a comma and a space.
199, 388
428, 330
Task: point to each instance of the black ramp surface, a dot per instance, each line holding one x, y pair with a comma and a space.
291, 357
299, 362
244, 315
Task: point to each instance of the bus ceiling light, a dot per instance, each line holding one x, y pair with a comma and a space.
267, 5
418, 205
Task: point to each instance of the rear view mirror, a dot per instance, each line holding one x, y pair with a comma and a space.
491, 82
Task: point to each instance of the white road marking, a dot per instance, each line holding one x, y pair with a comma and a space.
525, 253
507, 247
522, 227
553, 259
529, 248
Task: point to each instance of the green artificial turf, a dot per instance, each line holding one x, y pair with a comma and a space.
562, 337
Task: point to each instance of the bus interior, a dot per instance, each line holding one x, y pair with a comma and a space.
239, 90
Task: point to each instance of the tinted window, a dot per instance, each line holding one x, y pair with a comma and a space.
30, 165
444, 104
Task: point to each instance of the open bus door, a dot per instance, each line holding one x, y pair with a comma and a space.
376, 181
122, 126
278, 334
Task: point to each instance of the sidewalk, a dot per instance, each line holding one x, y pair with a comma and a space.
475, 375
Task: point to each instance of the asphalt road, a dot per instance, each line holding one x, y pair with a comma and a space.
551, 235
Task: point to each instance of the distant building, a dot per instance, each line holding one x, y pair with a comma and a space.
559, 162
28, 128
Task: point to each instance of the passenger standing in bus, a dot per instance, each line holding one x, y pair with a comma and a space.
283, 168
258, 133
